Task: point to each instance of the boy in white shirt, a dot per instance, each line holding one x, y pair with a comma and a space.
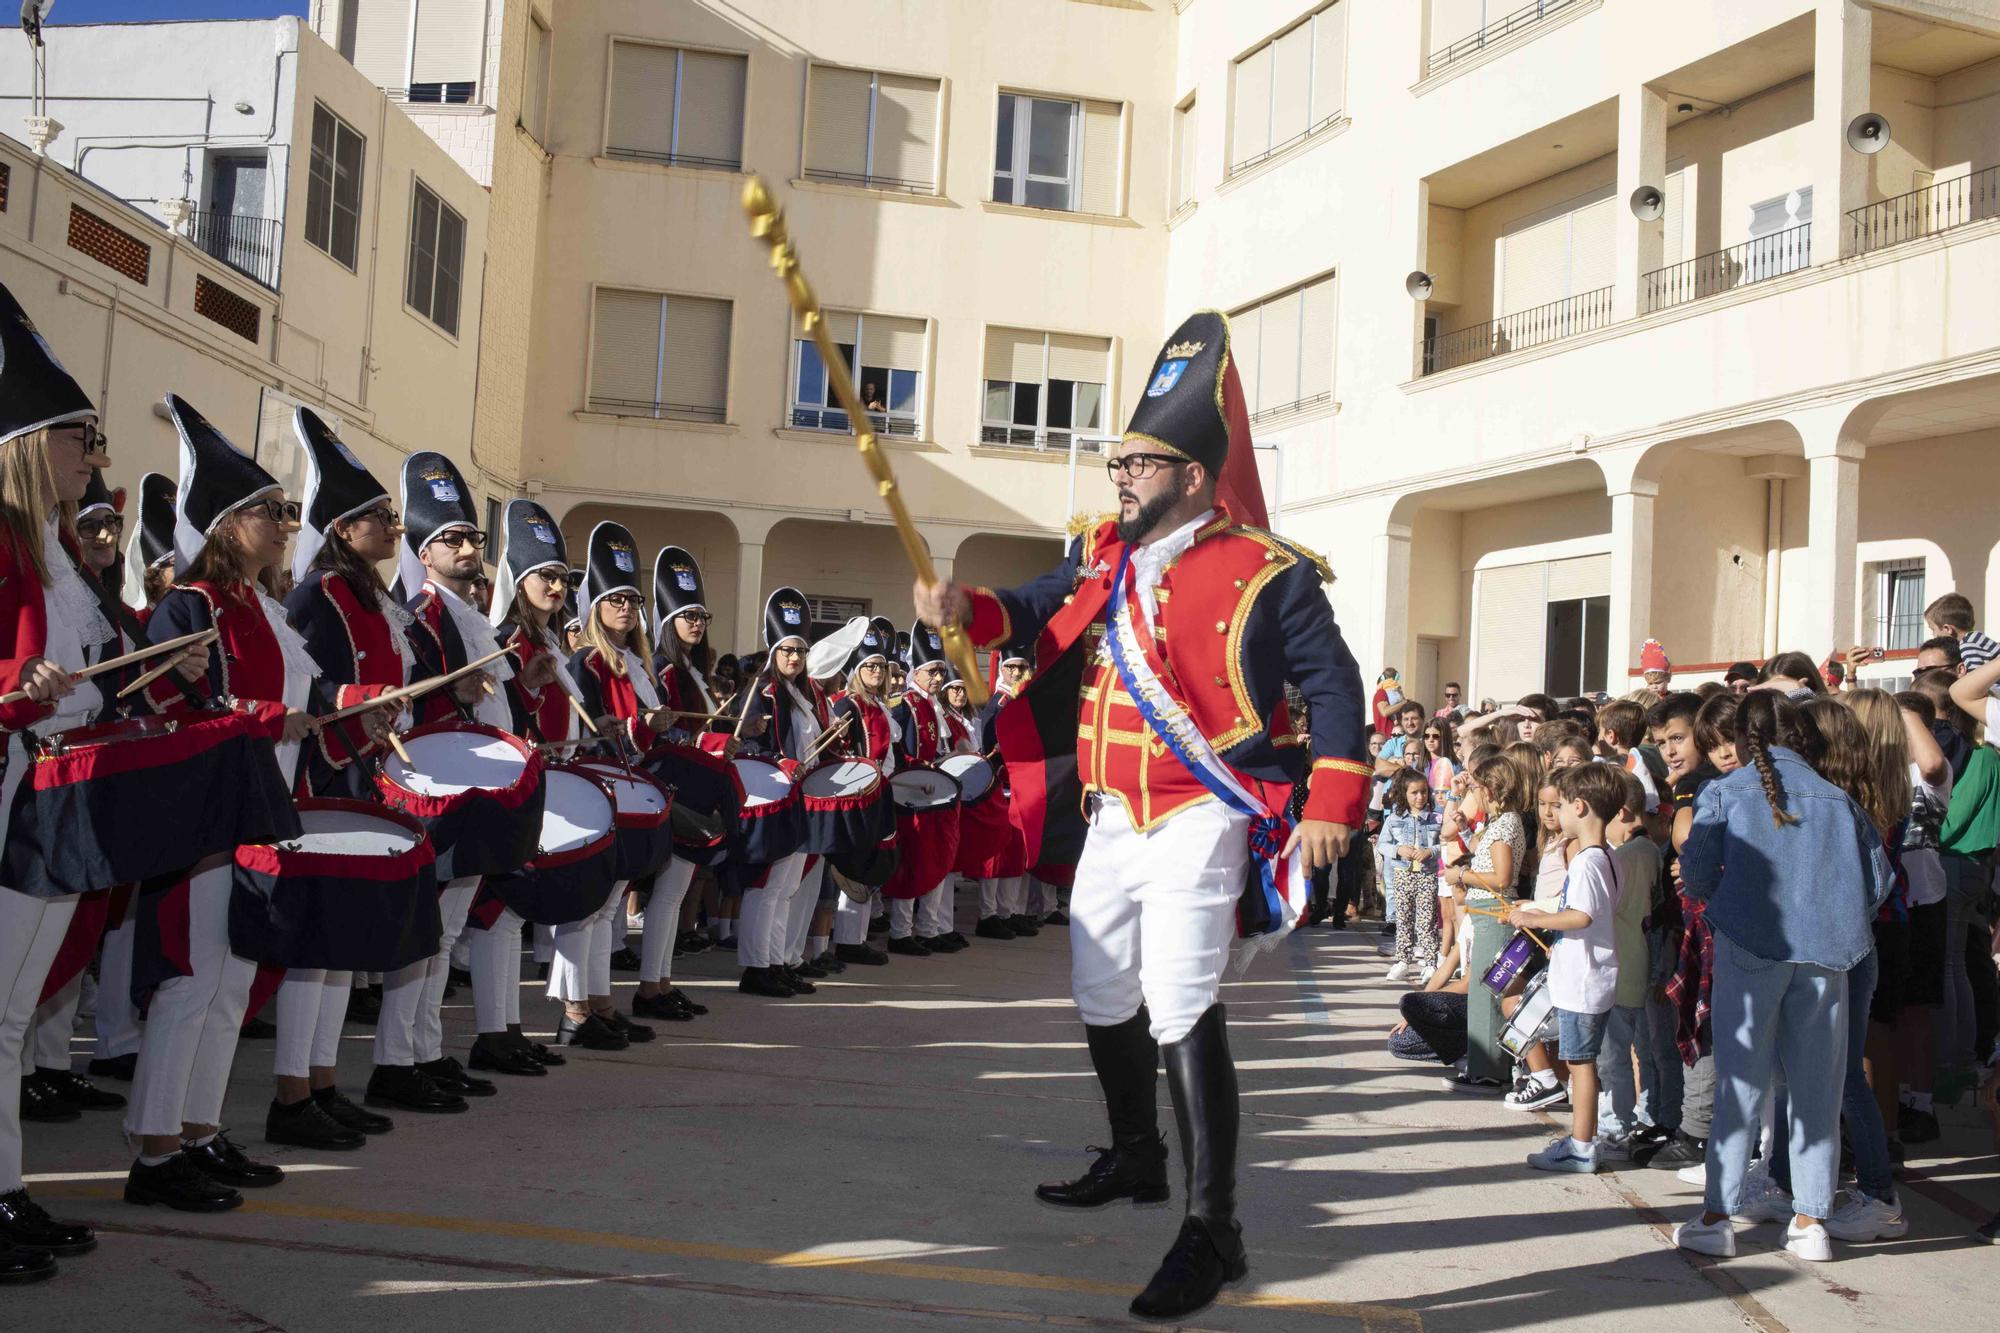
1583, 965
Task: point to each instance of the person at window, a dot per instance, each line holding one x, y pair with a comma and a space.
871, 397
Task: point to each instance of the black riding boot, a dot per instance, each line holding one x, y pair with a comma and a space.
1135, 1165
1208, 1253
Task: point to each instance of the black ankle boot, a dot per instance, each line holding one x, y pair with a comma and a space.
1135, 1165
1208, 1253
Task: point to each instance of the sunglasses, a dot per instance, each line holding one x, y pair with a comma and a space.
277, 511
1138, 466
459, 537
91, 529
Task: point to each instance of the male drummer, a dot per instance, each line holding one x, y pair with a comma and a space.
1173, 841
925, 738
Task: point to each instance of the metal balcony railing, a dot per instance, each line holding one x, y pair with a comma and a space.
1498, 30
1721, 271
1054, 440
899, 424
247, 244
1517, 332
864, 181
1925, 212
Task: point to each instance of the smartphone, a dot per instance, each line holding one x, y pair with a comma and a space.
1877, 654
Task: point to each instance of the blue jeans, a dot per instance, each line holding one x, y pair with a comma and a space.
1873, 1171
1771, 1021
1661, 1074
1617, 1104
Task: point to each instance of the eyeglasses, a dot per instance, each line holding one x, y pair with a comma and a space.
382, 514
1139, 466
91, 529
1433, 736
788, 651
277, 511
631, 599
458, 537
559, 579
695, 617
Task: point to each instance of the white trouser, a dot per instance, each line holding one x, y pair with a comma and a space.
117, 1019
1153, 915
496, 971
934, 911
850, 915
663, 920
759, 924
989, 899
805, 902
395, 1027
582, 966
902, 918
312, 1006
31, 930
427, 1035
193, 1022
1014, 896
55, 1020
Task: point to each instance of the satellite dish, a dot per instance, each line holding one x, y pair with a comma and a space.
1647, 203
1868, 133
1419, 285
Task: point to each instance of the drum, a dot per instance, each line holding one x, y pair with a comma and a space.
772, 823
477, 790
1534, 1020
130, 800
984, 833
927, 815
973, 774
1514, 959
356, 889
847, 807
575, 862
707, 798
644, 829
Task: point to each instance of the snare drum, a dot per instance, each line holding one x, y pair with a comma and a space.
575, 862
985, 835
707, 797
927, 818
772, 823
1533, 1021
477, 790
847, 807
644, 806
356, 889
1512, 962
127, 801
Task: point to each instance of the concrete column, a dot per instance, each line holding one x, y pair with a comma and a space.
743, 633
1833, 529
1631, 578
1389, 630
1642, 160
1842, 40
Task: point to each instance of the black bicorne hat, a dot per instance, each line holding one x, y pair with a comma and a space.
152, 539
337, 487
787, 615
676, 584
530, 539
35, 390
925, 646
217, 479
612, 564
435, 497
1182, 411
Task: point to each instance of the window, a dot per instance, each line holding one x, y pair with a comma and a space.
448, 41
890, 380
677, 106
1899, 604
493, 528
1184, 142
877, 130
1559, 253
1289, 88
535, 82
1042, 388
657, 355
453, 94
1283, 350
1057, 154
831, 613
1570, 599
437, 259
333, 187
1578, 635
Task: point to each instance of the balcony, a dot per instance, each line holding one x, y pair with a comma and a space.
1499, 30
863, 181
833, 420
1518, 332
247, 244
1926, 212
1052, 441
1720, 271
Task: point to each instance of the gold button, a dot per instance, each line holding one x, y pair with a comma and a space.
1221, 681
1221, 627
1068, 600
1239, 721
1269, 556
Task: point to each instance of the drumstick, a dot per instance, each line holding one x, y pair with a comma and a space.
140, 655
162, 669
822, 742
403, 692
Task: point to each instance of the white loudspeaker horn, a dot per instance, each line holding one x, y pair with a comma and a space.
1868, 133
1419, 285
1647, 203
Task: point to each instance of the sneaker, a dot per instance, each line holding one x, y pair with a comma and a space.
1615, 1147
1696, 1175
1468, 1083
1717, 1238
1990, 1233
1532, 1094
1810, 1243
1562, 1155
1865, 1218
1677, 1152
1398, 971
1762, 1201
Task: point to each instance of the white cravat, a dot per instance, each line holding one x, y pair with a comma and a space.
1150, 561
479, 641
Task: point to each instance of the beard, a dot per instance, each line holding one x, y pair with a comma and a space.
1140, 525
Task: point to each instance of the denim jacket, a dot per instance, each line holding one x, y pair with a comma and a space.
1797, 893
1415, 829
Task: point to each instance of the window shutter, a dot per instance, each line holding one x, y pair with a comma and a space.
839, 326
449, 41
1674, 247
1593, 248
1329, 72
1291, 83
1246, 343
382, 43
1585, 576
1316, 339
1101, 138
1014, 354
889, 341
642, 99
906, 122
535, 93
1534, 266
1184, 145
1279, 382
1074, 357
712, 106
837, 120
696, 370
1455, 20
1250, 108
625, 351
1513, 610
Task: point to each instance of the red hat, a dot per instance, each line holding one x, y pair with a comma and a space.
1653, 657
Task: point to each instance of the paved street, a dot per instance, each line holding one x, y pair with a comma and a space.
863, 1160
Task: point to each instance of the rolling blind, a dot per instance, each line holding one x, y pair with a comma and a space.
1584, 576
1184, 143
1329, 72
887, 340
839, 326
1246, 344
1250, 107
837, 120
1534, 266
1513, 609
1278, 381
1013, 354
382, 42
711, 116
642, 99
695, 373
906, 124
1101, 136
449, 41
1074, 357
625, 351
1593, 260
535, 89
1316, 320
1291, 83
1455, 19
1674, 242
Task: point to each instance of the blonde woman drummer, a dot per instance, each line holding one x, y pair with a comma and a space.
871, 734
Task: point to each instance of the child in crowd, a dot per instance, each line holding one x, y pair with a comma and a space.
1950, 617
1410, 843
1499, 793
1378, 800
1627, 1106
1583, 963
1554, 862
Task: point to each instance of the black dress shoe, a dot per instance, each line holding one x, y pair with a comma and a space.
1056, 918
224, 1162
179, 1184
305, 1124
40, 1104
680, 997
492, 1052
364, 1006
78, 1091
993, 928
765, 981
630, 1031
625, 960
256, 1029
592, 1034
692, 942
548, 1057
23, 1224
799, 985
909, 945
878, 925
1135, 1171
119, 1067
18, 1265
830, 962
408, 1088
1204, 1259
662, 1007
956, 940
811, 970
346, 1114
449, 1074
861, 954
1024, 925
458, 976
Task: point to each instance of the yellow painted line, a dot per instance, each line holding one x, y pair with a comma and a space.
1373, 1316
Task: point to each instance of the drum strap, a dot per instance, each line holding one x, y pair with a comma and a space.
121, 615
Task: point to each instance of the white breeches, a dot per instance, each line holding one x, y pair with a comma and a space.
31, 930
193, 1022
663, 920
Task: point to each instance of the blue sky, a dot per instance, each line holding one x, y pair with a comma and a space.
124, 11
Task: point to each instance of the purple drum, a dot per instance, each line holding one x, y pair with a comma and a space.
1517, 954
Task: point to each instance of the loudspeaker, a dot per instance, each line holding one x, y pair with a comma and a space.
1868, 133
1419, 285
1647, 203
